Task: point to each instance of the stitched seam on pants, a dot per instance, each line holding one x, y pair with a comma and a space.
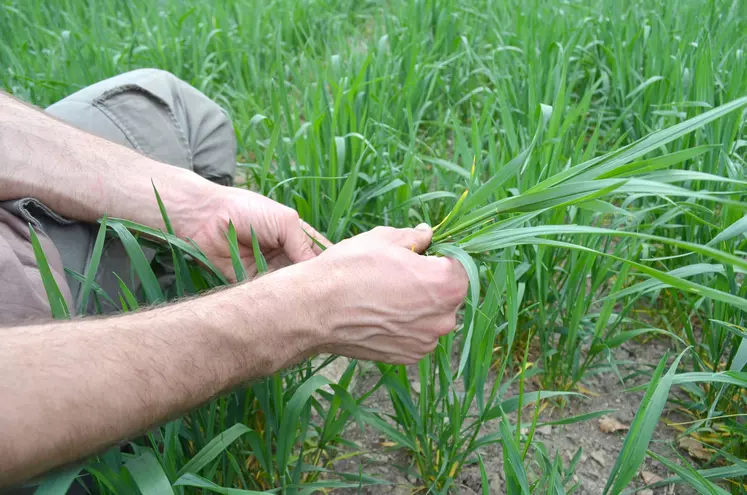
183, 137
25, 202
16, 208
122, 126
21, 208
100, 104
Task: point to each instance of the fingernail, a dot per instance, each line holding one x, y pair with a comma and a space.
423, 226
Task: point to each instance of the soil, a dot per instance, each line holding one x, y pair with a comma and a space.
599, 452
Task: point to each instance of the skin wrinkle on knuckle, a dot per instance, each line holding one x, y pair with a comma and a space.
291, 218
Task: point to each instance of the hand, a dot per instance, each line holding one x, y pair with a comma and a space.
280, 232
387, 302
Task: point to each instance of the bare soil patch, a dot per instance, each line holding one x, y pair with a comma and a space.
600, 448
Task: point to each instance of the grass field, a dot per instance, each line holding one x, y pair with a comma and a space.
589, 160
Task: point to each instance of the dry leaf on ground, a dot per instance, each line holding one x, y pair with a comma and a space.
608, 424
648, 477
694, 448
545, 431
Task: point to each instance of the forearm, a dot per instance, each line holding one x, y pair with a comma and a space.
82, 176
70, 389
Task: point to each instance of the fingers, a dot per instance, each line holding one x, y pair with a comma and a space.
299, 245
417, 239
451, 281
320, 239
277, 260
422, 235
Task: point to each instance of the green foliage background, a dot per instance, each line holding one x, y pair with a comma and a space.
363, 113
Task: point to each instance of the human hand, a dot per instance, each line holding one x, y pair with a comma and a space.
386, 302
280, 232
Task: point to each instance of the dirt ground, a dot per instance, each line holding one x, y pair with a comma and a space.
599, 449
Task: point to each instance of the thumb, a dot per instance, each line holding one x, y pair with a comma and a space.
298, 246
417, 239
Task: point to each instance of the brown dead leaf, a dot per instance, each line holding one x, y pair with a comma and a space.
648, 477
694, 448
608, 424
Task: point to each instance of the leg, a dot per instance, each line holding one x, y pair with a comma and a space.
159, 115
152, 112
22, 294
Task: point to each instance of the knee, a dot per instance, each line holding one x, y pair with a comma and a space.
160, 115
208, 128
205, 126
211, 135
214, 156
149, 71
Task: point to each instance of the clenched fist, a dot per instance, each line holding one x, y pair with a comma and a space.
386, 301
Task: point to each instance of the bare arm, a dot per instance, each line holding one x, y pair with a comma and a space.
82, 176
70, 389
